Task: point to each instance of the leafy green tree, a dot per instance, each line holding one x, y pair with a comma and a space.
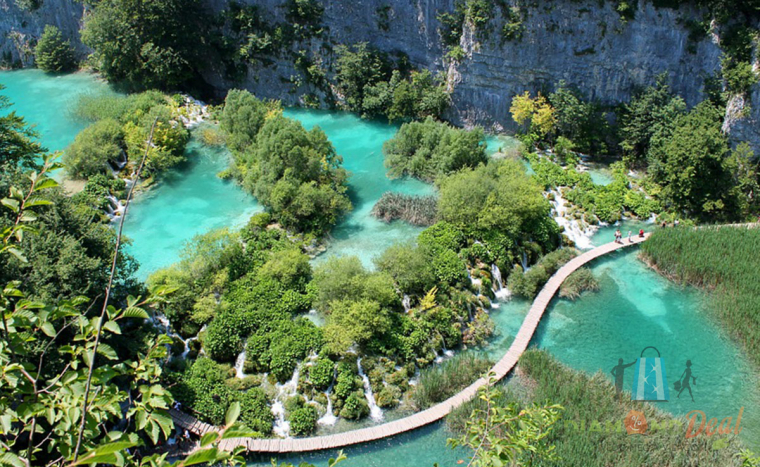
428, 150
18, 146
648, 118
409, 266
94, 148
169, 139
147, 43
242, 117
509, 435
357, 68
354, 322
53, 54
691, 166
303, 421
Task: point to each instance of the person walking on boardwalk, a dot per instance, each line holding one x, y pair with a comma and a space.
685, 380
618, 372
618, 236
630, 240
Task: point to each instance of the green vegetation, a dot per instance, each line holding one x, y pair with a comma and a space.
438, 383
721, 261
528, 283
374, 85
429, 150
295, 173
416, 210
124, 124
578, 282
94, 149
147, 44
591, 400
53, 54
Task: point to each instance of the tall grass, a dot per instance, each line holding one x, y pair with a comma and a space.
722, 260
438, 383
591, 398
416, 210
578, 282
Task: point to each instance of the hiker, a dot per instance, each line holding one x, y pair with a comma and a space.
641, 233
675, 223
186, 437
685, 380
664, 224
618, 236
630, 240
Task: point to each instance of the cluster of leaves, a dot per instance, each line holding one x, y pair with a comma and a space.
147, 44
428, 150
121, 128
528, 283
295, 173
563, 120
374, 85
53, 54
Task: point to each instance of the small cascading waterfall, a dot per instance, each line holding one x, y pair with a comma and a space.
524, 261
407, 303
477, 283
576, 230
239, 363
329, 418
121, 162
501, 292
285, 390
375, 412
114, 208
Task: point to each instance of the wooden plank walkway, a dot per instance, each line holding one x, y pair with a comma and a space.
432, 414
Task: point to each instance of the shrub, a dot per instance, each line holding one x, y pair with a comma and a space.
53, 54
578, 282
321, 373
449, 269
303, 421
441, 236
438, 383
355, 407
255, 411
416, 210
93, 148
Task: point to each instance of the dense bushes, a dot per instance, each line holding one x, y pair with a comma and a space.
94, 148
429, 150
53, 54
147, 44
134, 115
373, 85
528, 283
295, 173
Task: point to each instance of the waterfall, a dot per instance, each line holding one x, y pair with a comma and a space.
121, 162
475, 282
524, 261
329, 418
574, 229
114, 208
407, 303
375, 412
285, 390
239, 362
501, 292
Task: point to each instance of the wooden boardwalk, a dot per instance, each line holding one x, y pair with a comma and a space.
435, 413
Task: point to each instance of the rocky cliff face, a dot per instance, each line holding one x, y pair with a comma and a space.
20, 29
584, 42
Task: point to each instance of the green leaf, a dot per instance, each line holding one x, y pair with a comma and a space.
17, 253
209, 438
112, 326
8, 458
45, 184
11, 204
205, 456
48, 329
232, 414
134, 312
107, 351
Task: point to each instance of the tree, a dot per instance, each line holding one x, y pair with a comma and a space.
147, 43
242, 117
428, 150
18, 148
53, 54
93, 149
508, 435
535, 115
691, 166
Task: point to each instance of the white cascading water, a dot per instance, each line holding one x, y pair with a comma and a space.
573, 228
285, 390
501, 292
114, 208
375, 412
407, 303
239, 362
329, 418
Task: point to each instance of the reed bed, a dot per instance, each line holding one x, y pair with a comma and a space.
438, 383
591, 431
416, 210
724, 261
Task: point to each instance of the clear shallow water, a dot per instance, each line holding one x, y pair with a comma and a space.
47, 101
636, 308
188, 201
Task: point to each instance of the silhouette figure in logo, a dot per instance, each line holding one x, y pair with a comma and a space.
684, 381
618, 372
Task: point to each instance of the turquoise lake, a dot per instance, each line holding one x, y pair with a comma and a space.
635, 307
